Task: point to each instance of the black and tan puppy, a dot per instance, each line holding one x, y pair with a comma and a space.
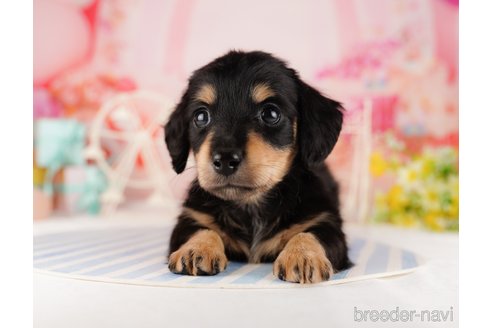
260, 136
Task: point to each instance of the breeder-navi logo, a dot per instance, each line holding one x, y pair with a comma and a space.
403, 315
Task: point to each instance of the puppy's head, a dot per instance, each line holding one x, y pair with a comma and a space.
248, 118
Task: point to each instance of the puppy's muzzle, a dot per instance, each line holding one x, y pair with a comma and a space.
226, 162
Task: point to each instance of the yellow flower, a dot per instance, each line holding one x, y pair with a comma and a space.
428, 167
39, 174
412, 175
432, 196
432, 221
408, 176
378, 165
425, 192
408, 220
395, 199
453, 211
403, 219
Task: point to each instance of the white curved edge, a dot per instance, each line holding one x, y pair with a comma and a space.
229, 286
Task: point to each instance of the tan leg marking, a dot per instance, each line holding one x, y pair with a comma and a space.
208, 221
303, 260
202, 254
275, 244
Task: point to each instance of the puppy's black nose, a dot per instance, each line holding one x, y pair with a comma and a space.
226, 162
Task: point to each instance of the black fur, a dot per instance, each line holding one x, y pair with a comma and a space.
306, 190
176, 136
320, 121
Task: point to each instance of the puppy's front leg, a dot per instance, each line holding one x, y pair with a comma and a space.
202, 254
303, 260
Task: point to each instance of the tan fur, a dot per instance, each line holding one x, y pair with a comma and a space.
207, 176
263, 167
205, 171
266, 164
208, 221
303, 260
291, 239
203, 251
206, 94
275, 244
261, 92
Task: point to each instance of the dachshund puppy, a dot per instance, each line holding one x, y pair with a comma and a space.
260, 136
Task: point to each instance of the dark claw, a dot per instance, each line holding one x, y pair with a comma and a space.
281, 273
296, 271
190, 261
200, 272
183, 263
325, 275
198, 260
311, 272
196, 264
216, 266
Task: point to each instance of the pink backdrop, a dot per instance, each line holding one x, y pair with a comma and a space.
157, 44
401, 54
175, 37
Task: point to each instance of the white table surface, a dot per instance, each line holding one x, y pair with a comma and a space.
64, 302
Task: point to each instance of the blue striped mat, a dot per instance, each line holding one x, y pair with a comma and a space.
137, 256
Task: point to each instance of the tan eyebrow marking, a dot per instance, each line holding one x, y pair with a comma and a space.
261, 92
206, 94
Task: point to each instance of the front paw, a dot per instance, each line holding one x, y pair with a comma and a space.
303, 260
203, 254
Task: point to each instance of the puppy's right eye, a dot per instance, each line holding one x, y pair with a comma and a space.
270, 114
202, 117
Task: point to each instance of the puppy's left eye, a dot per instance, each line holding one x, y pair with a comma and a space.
202, 117
270, 114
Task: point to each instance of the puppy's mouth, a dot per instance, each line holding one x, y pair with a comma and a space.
231, 186
235, 191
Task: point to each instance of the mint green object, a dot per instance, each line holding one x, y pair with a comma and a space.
94, 185
83, 188
58, 143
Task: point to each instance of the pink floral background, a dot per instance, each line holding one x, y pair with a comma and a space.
401, 54
408, 46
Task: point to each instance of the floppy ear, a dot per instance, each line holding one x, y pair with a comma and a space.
320, 122
176, 136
